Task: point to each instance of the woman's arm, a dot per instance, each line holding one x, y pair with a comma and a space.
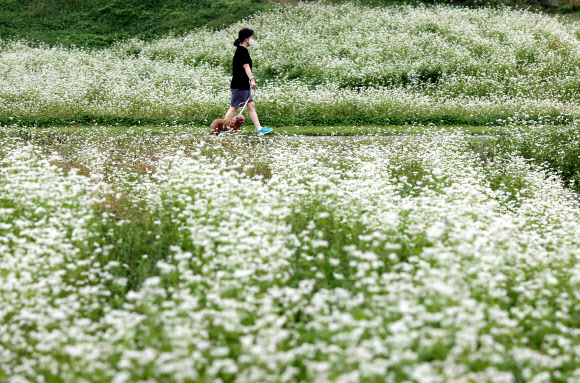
250, 75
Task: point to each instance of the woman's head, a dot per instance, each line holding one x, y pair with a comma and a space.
243, 34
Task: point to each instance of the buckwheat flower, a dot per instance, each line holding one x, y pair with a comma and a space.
74, 351
404, 294
122, 377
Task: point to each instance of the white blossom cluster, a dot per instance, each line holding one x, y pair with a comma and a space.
473, 52
352, 261
556, 145
315, 59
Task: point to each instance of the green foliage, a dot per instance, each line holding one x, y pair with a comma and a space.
138, 239
312, 120
554, 148
99, 23
331, 264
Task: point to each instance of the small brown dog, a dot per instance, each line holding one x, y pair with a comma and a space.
221, 125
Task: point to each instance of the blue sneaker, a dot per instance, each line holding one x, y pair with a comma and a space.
264, 131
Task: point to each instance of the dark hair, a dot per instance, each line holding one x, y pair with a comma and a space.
242, 35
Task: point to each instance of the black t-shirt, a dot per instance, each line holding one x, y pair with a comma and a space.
240, 79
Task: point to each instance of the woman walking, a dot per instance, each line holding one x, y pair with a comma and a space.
243, 80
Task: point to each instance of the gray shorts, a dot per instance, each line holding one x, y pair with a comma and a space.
239, 97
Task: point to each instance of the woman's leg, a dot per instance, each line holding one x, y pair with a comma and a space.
231, 112
253, 115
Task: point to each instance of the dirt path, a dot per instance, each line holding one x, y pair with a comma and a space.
369, 137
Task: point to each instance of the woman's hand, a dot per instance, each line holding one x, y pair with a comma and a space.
250, 75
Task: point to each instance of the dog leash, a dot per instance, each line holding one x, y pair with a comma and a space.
246, 103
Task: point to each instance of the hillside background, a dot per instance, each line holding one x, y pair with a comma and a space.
99, 23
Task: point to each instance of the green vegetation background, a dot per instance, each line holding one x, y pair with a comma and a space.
99, 23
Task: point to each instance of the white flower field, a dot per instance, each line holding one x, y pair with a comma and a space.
317, 60
158, 254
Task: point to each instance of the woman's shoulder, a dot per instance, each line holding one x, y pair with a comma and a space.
242, 53
240, 50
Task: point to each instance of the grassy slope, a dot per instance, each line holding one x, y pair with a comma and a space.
98, 23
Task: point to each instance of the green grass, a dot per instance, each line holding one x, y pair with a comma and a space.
309, 125
99, 23
387, 130
308, 130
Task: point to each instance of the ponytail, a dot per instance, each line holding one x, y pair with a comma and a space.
242, 35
